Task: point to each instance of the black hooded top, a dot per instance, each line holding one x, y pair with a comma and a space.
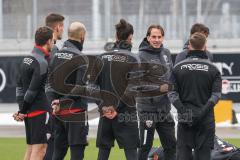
159, 56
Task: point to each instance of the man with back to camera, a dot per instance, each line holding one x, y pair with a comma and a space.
55, 22
33, 105
197, 90
151, 50
111, 127
197, 27
70, 134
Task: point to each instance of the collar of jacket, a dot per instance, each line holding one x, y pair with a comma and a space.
197, 54
73, 43
123, 45
41, 50
145, 46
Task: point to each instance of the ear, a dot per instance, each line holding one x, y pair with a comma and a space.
50, 41
82, 36
205, 47
129, 39
190, 46
57, 28
148, 38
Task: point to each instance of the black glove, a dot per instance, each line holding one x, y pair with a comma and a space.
183, 113
179, 106
197, 118
206, 109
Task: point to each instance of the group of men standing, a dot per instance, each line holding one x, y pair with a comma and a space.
193, 86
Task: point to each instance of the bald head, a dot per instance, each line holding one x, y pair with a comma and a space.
76, 31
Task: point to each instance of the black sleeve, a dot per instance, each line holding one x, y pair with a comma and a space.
92, 78
174, 95
19, 92
96, 77
171, 77
171, 64
215, 96
80, 100
35, 85
50, 92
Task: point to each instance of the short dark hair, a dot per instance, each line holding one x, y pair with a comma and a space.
42, 35
123, 29
154, 26
197, 40
52, 19
199, 27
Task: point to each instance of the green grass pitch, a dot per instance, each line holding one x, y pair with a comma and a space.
14, 148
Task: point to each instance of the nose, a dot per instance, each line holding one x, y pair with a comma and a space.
157, 39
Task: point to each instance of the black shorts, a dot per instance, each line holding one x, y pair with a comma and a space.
125, 132
71, 133
196, 137
37, 129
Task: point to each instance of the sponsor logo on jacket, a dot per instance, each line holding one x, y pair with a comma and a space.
116, 58
67, 56
27, 61
195, 67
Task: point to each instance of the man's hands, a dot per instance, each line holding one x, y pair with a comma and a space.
56, 106
164, 88
206, 109
109, 112
18, 117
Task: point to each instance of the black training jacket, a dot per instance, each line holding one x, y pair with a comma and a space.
198, 84
30, 90
70, 50
109, 79
159, 56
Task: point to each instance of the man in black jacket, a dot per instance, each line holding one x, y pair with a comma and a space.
55, 22
198, 88
154, 112
73, 134
31, 97
112, 124
197, 27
